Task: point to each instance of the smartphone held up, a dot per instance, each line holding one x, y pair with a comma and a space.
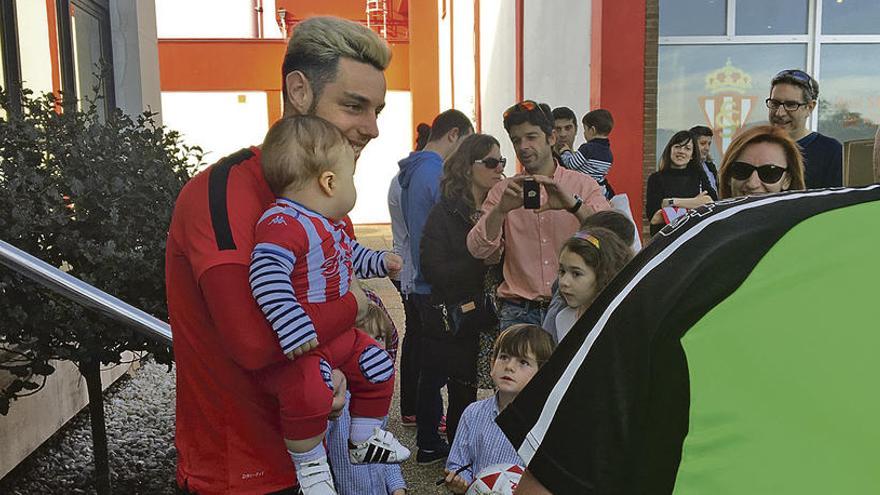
531, 194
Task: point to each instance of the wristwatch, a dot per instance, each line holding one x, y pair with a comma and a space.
578, 201
670, 201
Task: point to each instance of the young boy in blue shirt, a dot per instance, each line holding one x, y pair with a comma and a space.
518, 353
594, 157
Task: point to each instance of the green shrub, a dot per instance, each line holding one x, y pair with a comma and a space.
96, 197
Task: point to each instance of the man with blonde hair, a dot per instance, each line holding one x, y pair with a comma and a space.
228, 432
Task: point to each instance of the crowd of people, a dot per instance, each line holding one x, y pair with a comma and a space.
286, 361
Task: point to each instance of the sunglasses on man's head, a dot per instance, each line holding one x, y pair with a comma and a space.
795, 74
491, 162
525, 106
768, 173
798, 75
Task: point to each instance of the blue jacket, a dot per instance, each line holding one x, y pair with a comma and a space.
419, 179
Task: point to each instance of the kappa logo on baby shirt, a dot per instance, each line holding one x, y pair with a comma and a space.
278, 220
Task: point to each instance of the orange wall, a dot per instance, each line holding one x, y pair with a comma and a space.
220, 65
398, 73
244, 65
255, 64
424, 70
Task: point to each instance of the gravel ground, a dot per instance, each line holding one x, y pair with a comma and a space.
139, 414
140, 427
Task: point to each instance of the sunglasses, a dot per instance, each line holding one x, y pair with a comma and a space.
491, 163
523, 106
798, 75
769, 173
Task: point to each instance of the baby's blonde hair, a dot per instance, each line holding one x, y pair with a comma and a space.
299, 148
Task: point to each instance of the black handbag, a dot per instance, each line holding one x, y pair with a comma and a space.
477, 314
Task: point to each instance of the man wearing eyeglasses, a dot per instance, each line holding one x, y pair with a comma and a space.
793, 96
532, 238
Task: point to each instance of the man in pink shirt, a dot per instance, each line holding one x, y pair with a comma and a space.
531, 239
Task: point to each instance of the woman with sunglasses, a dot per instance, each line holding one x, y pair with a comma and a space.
761, 160
679, 185
456, 277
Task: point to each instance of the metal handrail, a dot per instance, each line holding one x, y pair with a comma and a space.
83, 293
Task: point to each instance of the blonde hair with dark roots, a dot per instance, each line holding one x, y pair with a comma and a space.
762, 134
520, 339
459, 167
300, 148
318, 43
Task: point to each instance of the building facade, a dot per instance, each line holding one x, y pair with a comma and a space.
658, 65
717, 58
59, 46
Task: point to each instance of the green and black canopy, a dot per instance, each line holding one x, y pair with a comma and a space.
738, 353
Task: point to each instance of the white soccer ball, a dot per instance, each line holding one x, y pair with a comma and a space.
497, 479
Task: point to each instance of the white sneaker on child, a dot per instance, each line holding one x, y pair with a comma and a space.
380, 448
315, 479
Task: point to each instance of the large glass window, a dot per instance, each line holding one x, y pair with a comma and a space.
721, 78
850, 17
719, 86
90, 32
693, 17
760, 17
33, 40
849, 101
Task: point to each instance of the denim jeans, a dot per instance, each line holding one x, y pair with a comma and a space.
511, 314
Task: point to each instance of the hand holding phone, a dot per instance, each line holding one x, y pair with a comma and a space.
531, 194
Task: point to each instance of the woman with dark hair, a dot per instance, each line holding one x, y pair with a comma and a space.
679, 185
458, 279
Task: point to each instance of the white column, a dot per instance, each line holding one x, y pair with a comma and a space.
135, 56
556, 53
498, 70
